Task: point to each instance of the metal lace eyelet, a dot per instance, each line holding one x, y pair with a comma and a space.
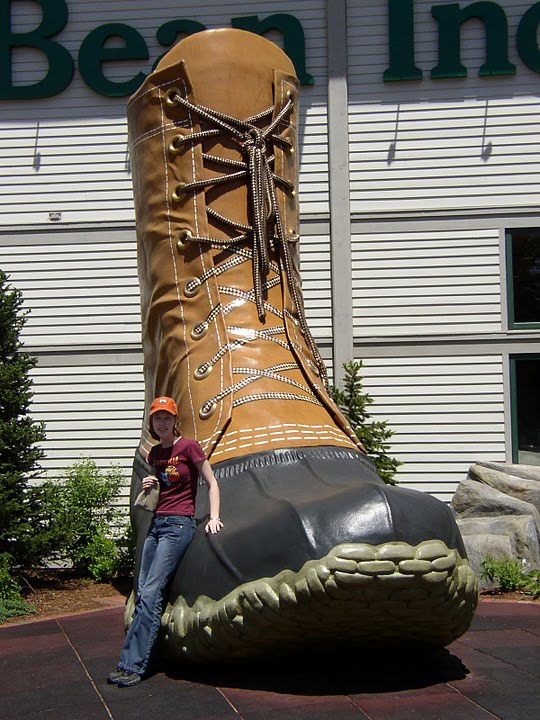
178, 192
171, 94
293, 236
293, 193
291, 150
182, 239
192, 287
176, 145
202, 371
199, 331
207, 409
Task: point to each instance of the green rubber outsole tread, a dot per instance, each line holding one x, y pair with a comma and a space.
357, 595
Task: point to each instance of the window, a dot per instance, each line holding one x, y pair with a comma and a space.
525, 389
523, 277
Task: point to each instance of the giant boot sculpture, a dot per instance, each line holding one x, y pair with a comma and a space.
316, 549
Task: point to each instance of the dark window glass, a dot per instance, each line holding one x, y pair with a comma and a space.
526, 410
523, 255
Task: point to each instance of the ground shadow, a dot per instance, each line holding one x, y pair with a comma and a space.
320, 673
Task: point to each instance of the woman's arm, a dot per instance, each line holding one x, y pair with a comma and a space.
214, 525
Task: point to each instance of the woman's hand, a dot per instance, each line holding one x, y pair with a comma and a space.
149, 481
213, 526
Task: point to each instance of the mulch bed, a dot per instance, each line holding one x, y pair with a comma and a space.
55, 592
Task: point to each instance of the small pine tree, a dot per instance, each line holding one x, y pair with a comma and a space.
353, 403
19, 433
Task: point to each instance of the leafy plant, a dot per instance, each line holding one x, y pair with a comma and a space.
20, 435
83, 515
509, 573
531, 583
373, 434
12, 604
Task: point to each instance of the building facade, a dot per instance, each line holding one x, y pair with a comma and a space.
419, 197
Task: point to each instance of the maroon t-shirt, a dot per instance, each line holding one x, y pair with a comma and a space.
177, 473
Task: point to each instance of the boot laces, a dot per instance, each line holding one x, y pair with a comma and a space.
264, 234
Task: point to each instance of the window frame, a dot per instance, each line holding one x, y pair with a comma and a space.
514, 429
512, 323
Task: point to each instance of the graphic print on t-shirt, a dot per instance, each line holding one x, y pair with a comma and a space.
170, 475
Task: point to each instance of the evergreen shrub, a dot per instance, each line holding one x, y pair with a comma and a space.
373, 434
20, 435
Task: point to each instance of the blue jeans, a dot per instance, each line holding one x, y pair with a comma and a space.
168, 539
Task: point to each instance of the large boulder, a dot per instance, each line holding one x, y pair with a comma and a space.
474, 499
497, 509
521, 486
509, 535
527, 472
479, 547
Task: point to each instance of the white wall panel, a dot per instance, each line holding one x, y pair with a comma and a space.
447, 413
69, 154
444, 143
415, 282
81, 288
89, 411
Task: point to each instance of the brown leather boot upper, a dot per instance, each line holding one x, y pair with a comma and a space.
224, 330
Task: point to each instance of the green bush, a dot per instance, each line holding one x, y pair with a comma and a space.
12, 604
373, 435
83, 518
531, 584
20, 435
510, 575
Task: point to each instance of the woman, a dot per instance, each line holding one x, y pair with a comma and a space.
177, 462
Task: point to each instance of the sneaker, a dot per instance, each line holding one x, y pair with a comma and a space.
128, 679
115, 676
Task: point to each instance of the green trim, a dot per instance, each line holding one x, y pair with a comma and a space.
513, 410
514, 401
512, 323
509, 280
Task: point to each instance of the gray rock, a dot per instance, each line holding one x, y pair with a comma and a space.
474, 499
527, 472
520, 530
479, 547
513, 485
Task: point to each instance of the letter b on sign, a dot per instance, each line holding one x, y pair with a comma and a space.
61, 67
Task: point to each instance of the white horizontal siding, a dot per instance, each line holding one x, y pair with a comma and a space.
90, 411
447, 412
415, 282
438, 144
316, 284
80, 289
68, 153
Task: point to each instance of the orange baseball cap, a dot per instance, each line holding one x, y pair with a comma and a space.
164, 403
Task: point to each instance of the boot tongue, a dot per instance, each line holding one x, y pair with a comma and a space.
218, 60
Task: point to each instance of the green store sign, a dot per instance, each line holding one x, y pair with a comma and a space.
94, 53
450, 17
